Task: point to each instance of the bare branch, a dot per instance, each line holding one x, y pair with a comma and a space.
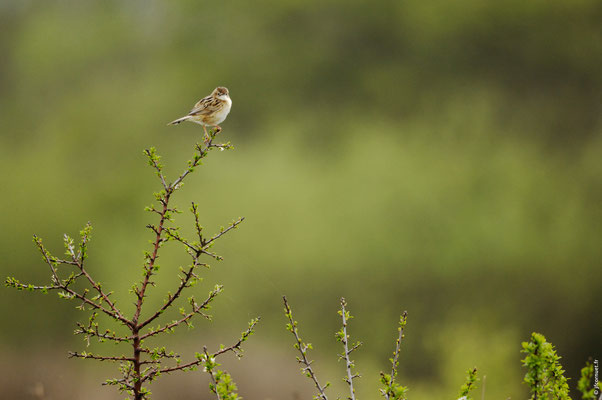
395, 361
302, 348
196, 309
343, 337
184, 282
100, 358
93, 330
233, 225
393, 390
236, 347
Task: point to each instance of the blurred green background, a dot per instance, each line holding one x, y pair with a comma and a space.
439, 157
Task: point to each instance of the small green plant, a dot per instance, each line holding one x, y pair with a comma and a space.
143, 363
471, 379
586, 385
391, 389
545, 375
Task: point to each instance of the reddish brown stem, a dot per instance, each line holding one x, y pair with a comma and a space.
153, 257
137, 364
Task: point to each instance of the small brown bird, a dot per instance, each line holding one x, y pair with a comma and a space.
209, 111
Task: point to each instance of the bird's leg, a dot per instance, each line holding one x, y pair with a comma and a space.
218, 129
207, 138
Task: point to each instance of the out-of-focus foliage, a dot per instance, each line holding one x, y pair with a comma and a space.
587, 385
440, 157
469, 385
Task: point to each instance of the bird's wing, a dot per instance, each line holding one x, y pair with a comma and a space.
206, 105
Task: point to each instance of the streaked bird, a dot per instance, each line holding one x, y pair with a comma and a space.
209, 111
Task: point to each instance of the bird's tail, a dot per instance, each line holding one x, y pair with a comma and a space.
177, 121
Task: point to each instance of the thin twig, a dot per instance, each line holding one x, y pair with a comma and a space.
196, 309
222, 232
344, 338
212, 374
395, 360
236, 347
483, 387
100, 358
172, 297
302, 347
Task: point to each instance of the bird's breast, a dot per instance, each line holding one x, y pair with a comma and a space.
222, 113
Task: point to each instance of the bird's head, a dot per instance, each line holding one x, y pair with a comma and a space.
221, 93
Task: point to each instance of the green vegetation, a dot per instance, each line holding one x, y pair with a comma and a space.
545, 376
444, 156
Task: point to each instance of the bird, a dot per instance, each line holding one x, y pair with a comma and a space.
211, 110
